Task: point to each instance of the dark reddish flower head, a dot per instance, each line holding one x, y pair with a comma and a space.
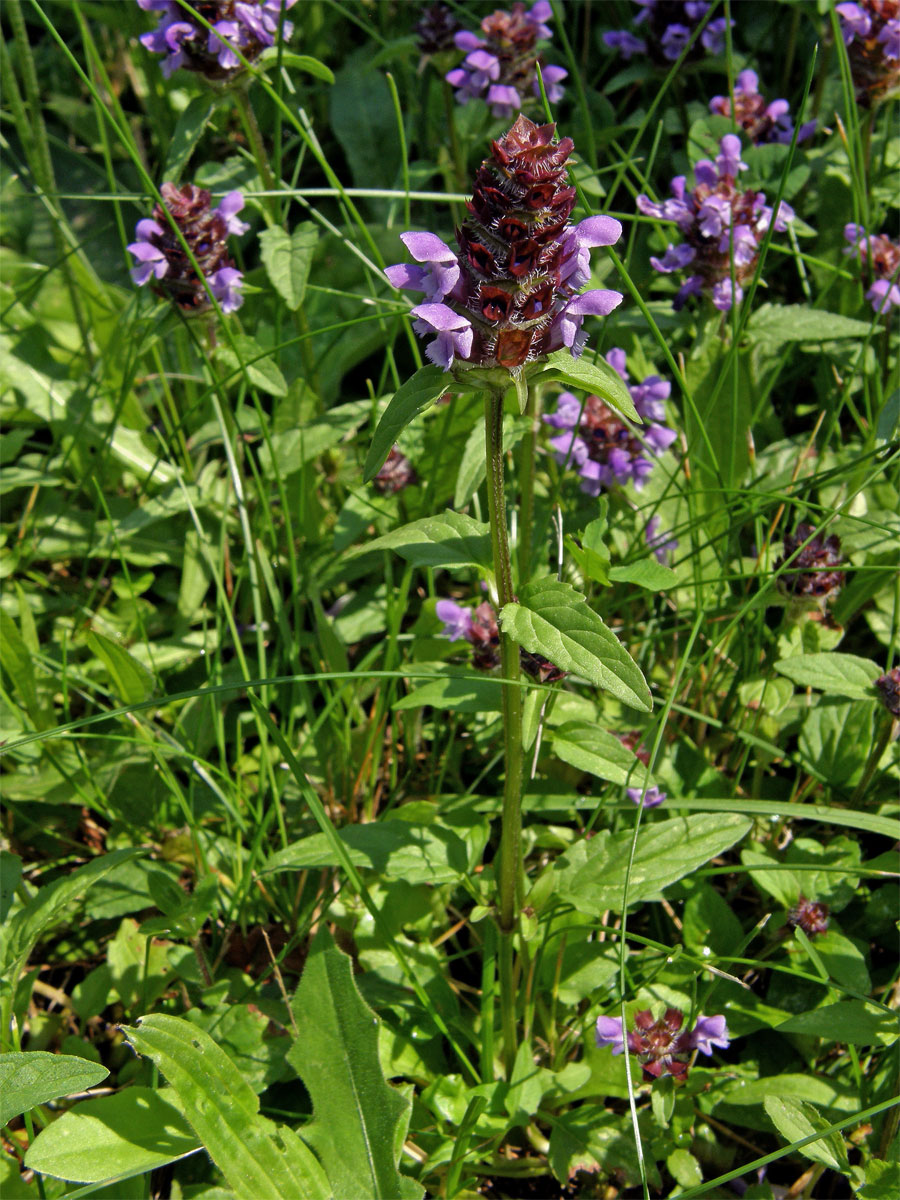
161, 256
813, 568
888, 686
810, 916
871, 30
509, 295
396, 474
662, 1047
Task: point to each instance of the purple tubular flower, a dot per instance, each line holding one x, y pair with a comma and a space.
457, 620
889, 39
668, 26
438, 278
709, 1032
500, 66
602, 448
454, 333
510, 294
161, 257
722, 225
609, 1032
651, 798
855, 22
661, 544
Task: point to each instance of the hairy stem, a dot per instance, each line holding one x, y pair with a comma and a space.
511, 829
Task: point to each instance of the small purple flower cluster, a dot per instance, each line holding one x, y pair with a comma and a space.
814, 565
888, 686
478, 626
661, 1046
396, 474
663, 544
882, 257
809, 915
668, 25
604, 449
760, 121
500, 67
509, 295
871, 30
246, 26
722, 228
162, 259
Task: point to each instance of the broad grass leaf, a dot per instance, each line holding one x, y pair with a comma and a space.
835, 673
249, 359
780, 323
131, 681
597, 377
359, 1121
394, 849
555, 620
46, 908
413, 397
300, 62
32, 1077
591, 875
449, 540
795, 1120
589, 748
134, 1131
646, 573
287, 258
851, 1021
223, 1110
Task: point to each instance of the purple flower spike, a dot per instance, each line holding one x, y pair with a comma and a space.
662, 1046
603, 449
239, 29
161, 256
500, 67
667, 27
651, 798
871, 31
722, 227
609, 1032
880, 259
509, 295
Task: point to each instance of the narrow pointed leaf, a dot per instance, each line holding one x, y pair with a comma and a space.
449, 540
131, 681
287, 259
413, 397
359, 1121
553, 619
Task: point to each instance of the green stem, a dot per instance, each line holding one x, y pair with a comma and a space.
511, 828
875, 755
258, 146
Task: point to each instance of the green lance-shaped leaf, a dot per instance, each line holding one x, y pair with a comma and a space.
248, 357
188, 131
113, 1138
32, 1077
259, 1160
555, 620
413, 397
597, 378
131, 681
449, 540
836, 674
588, 748
28, 924
287, 259
359, 1121
795, 1120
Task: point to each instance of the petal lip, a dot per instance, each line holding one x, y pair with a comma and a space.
598, 231
427, 247
598, 302
440, 317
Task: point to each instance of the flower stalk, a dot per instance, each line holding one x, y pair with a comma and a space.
510, 859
